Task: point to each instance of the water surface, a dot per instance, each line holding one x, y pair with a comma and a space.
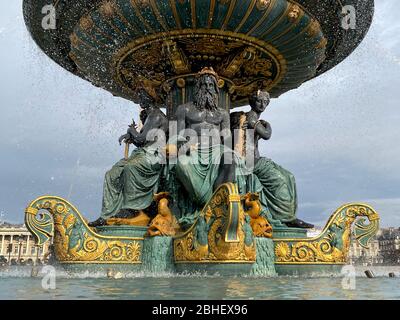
16, 283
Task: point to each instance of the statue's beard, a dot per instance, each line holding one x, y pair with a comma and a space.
207, 100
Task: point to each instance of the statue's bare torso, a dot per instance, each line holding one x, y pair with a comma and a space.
203, 122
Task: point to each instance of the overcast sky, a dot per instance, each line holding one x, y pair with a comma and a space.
339, 134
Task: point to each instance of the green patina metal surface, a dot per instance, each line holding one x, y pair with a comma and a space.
122, 231
93, 52
284, 232
158, 255
300, 57
265, 261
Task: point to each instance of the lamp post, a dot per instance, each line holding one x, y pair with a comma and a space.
9, 250
20, 238
37, 252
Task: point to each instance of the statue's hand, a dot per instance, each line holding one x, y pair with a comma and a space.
124, 137
133, 124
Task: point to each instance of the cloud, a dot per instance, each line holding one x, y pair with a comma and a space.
387, 208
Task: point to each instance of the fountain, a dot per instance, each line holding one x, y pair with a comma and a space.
161, 54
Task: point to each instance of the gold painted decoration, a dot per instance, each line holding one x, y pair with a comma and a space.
234, 64
333, 244
248, 65
313, 28
180, 82
294, 12
74, 241
176, 57
322, 44
140, 219
208, 46
86, 23
259, 224
165, 222
220, 234
263, 4
107, 9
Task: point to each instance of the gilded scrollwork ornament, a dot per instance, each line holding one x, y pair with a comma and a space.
333, 244
220, 234
248, 66
74, 241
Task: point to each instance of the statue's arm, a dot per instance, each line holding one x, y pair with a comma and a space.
130, 134
226, 129
139, 138
181, 118
263, 129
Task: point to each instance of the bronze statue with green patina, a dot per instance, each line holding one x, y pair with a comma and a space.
276, 185
203, 129
131, 183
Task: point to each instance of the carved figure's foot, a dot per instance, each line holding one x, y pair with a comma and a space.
126, 213
299, 224
141, 219
97, 223
161, 195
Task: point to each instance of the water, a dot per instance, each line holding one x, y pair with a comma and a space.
16, 283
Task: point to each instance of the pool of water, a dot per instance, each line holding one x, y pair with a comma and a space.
17, 283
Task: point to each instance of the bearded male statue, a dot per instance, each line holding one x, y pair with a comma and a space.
203, 127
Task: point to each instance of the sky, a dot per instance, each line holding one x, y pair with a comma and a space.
338, 134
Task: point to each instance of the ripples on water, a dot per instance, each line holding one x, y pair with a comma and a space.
16, 283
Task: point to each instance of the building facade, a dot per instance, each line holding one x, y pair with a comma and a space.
365, 256
389, 245
17, 246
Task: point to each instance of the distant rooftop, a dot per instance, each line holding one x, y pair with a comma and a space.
389, 233
11, 225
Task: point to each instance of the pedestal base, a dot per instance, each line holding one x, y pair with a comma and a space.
285, 232
122, 231
220, 242
158, 257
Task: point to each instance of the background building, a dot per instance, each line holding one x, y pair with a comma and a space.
389, 245
364, 256
17, 245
